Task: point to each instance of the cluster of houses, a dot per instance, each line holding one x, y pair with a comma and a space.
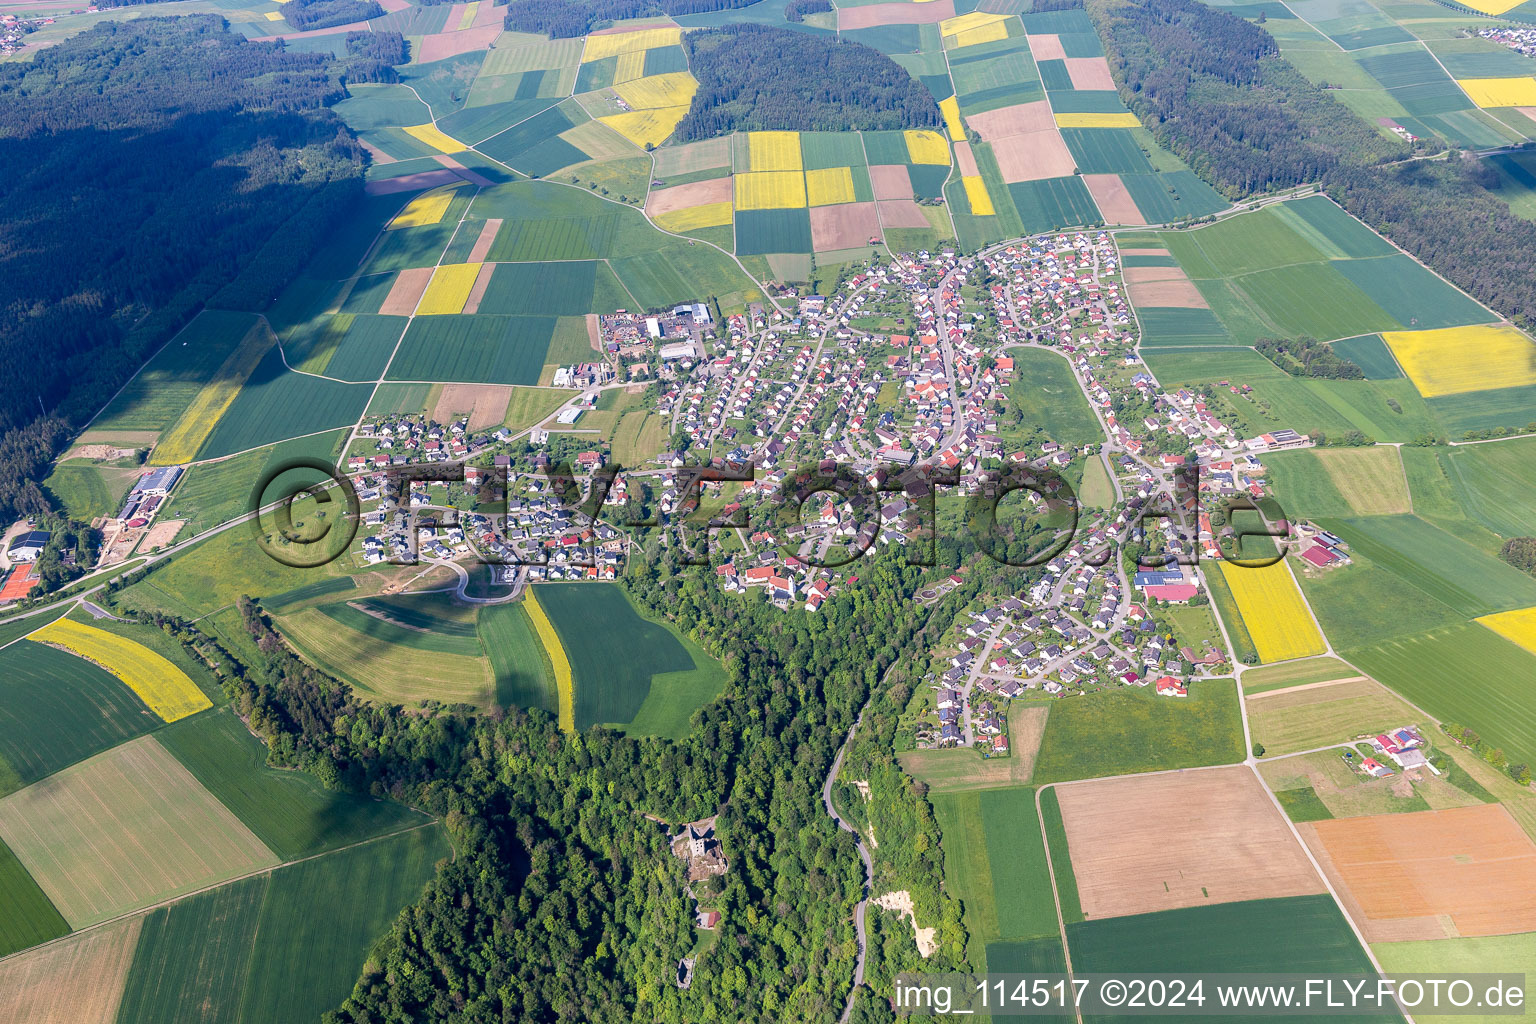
1521, 40
1404, 747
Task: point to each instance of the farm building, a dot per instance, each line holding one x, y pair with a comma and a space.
28, 546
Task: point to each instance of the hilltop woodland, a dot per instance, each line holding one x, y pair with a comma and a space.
1214, 89
148, 164
760, 78
565, 19
1308, 357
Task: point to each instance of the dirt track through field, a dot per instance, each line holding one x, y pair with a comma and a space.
1160, 842
1305, 686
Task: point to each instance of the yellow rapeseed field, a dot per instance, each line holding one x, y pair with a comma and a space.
565, 685
1125, 119
770, 190
674, 89
710, 215
613, 44
1518, 626
449, 288
427, 208
467, 19
974, 36
157, 681
196, 422
429, 134
950, 108
925, 147
1274, 613
829, 186
630, 67
976, 193
970, 22
1455, 360
1500, 92
773, 151
646, 127
274, 15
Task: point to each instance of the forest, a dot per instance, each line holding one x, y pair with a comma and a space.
305, 15
1214, 89
565, 19
1308, 357
148, 164
796, 10
762, 78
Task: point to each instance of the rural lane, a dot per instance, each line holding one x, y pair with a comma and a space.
869, 866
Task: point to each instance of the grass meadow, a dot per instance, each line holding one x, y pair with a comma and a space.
1134, 730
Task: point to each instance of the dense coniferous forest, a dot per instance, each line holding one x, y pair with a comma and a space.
562, 902
759, 78
148, 163
796, 10
372, 57
305, 15
1214, 89
1308, 357
564, 19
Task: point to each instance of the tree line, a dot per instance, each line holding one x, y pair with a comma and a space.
150, 163
1308, 357
1215, 90
759, 78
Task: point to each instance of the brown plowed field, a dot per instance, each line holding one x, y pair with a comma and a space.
1033, 156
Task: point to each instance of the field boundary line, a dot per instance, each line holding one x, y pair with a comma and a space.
145, 910
1061, 922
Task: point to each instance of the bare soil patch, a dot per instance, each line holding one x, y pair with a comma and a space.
1033, 157
875, 15
844, 227
488, 233
406, 291
379, 156
1018, 119
1178, 291
891, 181
473, 177
1046, 47
450, 44
485, 404
1432, 874
1114, 202
410, 182
965, 159
161, 534
1184, 839
1087, 73
76, 980
902, 213
477, 290
686, 197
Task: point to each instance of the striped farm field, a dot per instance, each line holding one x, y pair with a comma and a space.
925, 147
1518, 626
611, 44
449, 289
710, 215
123, 830
427, 208
973, 29
78, 980
950, 108
564, 683
829, 186
1273, 611
774, 151
770, 190
1500, 92
976, 195
181, 443
1122, 120
158, 683
432, 136
1455, 360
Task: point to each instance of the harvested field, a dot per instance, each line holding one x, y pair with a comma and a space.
847, 226
965, 160
902, 213
1089, 73
683, 197
1115, 202
485, 404
410, 182
1431, 874
473, 177
440, 45
477, 290
1033, 157
125, 829
875, 15
1161, 842
77, 980
407, 289
1019, 119
1046, 47
891, 181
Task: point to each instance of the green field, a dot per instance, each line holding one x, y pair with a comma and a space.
409, 621
283, 946
211, 493
1365, 602
565, 289
57, 709
1465, 674
1045, 396
1481, 954
480, 349
1226, 937
87, 489
1371, 354
620, 660
1495, 483
516, 658
171, 379
770, 231
30, 917
1061, 857
1303, 804
1134, 730
1049, 204
288, 810
275, 403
